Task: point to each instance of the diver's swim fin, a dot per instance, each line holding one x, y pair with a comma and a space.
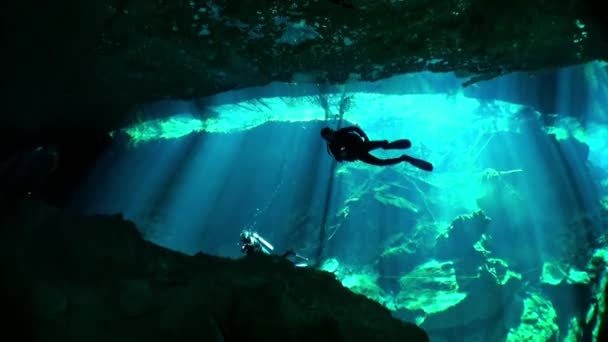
421, 164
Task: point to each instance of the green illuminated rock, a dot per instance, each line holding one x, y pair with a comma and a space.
553, 273
423, 111
431, 287
575, 332
330, 265
578, 277
480, 245
538, 321
486, 296
600, 314
394, 200
367, 284
169, 128
401, 250
499, 269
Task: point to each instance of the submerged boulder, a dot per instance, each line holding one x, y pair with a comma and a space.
431, 288
486, 296
463, 241
555, 273
537, 322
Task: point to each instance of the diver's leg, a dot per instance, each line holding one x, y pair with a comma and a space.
369, 159
375, 144
398, 144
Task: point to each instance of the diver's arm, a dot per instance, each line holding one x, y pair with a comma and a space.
334, 152
358, 131
339, 155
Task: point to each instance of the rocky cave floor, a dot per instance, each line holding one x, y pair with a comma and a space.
67, 277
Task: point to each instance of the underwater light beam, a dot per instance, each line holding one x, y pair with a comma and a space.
343, 107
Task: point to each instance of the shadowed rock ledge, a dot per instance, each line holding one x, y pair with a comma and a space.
72, 278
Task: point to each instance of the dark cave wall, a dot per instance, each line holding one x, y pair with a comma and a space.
54, 173
50, 85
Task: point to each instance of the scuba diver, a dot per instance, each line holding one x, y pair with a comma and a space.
351, 143
252, 243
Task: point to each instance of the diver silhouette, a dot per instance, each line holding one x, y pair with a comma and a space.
351, 144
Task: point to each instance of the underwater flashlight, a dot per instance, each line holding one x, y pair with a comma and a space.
263, 242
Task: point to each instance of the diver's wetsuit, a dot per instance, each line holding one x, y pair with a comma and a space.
351, 143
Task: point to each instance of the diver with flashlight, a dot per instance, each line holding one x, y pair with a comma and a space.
252, 243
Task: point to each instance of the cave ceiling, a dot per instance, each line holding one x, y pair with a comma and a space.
77, 69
